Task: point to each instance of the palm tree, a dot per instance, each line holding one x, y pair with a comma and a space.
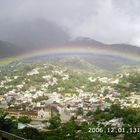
6, 123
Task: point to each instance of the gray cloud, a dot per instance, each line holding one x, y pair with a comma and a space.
110, 21
33, 33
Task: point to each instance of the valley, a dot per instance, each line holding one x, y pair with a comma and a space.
40, 91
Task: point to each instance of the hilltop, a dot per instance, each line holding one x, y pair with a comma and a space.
88, 62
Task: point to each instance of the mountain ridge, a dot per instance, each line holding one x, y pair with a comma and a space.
8, 49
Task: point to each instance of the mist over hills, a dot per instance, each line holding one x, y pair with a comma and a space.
24, 29
86, 62
31, 34
28, 35
8, 49
120, 47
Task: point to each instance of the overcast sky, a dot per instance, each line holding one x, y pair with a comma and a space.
109, 21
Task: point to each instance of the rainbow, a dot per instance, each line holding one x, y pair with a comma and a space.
73, 49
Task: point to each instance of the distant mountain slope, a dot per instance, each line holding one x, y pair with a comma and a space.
98, 63
86, 41
93, 43
83, 62
126, 48
8, 49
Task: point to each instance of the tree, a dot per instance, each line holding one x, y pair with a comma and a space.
24, 119
89, 113
69, 129
30, 133
6, 123
83, 133
55, 121
116, 110
80, 111
138, 136
132, 117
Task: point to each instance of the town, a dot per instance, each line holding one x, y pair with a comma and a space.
42, 90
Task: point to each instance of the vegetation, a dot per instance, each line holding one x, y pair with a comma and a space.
55, 121
18, 76
24, 119
71, 130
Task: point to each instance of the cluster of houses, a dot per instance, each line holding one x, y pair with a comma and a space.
21, 103
65, 105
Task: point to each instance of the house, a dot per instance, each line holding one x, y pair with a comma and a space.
117, 122
43, 114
